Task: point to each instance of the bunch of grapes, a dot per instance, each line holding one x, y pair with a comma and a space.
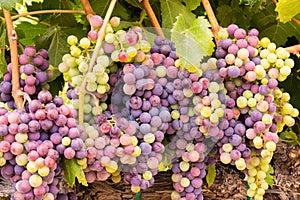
94, 81
33, 67
33, 140
256, 107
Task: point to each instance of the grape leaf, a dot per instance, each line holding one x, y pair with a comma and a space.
120, 10
27, 32
248, 2
191, 4
170, 9
289, 136
3, 63
231, 12
192, 42
211, 174
292, 83
73, 170
135, 3
278, 32
287, 9
269, 178
8, 5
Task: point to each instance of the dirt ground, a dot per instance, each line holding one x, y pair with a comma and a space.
228, 185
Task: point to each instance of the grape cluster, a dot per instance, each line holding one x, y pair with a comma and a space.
34, 73
95, 81
33, 140
256, 107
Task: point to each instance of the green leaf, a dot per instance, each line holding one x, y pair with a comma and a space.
191, 4
192, 42
269, 178
3, 63
292, 83
287, 9
135, 3
166, 162
248, 2
170, 9
278, 32
9, 4
73, 170
27, 32
211, 174
55, 40
289, 136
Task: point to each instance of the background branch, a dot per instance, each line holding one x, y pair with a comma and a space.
87, 8
153, 18
215, 28
12, 38
48, 12
294, 49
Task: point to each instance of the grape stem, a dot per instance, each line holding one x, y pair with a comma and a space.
101, 35
294, 49
215, 27
87, 8
48, 12
96, 100
293, 19
153, 18
12, 38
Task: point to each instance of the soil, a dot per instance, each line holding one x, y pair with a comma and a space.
229, 183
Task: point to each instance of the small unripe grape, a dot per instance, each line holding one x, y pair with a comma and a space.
72, 40
35, 180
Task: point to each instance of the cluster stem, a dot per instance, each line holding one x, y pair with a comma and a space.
92, 62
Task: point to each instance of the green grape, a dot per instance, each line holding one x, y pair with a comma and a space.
35, 180
84, 43
87, 108
109, 38
103, 60
90, 77
72, 40
31, 167
91, 86
271, 47
75, 51
73, 72
131, 52
264, 42
103, 79
83, 67
145, 46
63, 67
101, 89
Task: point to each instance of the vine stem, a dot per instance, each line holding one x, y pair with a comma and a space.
48, 12
296, 21
215, 27
12, 38
294, 49
153, 18
87, 8
101, 35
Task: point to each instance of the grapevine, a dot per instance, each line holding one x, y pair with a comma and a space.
133, 103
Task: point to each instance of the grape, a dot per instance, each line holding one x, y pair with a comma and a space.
96, 21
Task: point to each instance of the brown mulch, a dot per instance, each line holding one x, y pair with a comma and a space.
228, 185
